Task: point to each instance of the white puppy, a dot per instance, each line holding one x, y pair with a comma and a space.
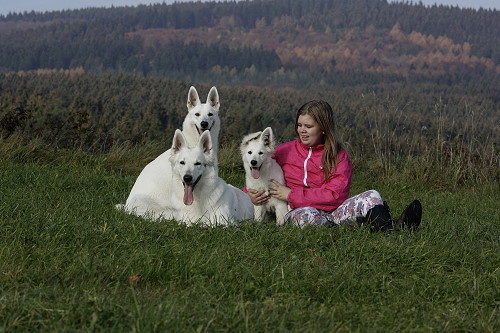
257, 151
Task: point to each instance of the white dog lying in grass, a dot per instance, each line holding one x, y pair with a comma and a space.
194, 192
257, 150
198, 194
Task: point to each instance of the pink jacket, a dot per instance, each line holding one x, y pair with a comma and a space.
304, 176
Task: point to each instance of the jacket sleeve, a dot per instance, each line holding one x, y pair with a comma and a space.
331, 194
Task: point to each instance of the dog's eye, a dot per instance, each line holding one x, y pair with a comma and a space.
197, 114
249, 152
197, 163
182, 162
260, 153
210, 114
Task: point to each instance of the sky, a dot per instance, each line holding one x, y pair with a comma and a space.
7, 6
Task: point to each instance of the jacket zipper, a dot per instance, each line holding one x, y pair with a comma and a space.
305, 166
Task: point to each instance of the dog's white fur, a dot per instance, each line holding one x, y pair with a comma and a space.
197, 193
151, 192
257, 151
202, 117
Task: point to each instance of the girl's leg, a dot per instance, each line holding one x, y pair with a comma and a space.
349, 212
305, 216
367, 207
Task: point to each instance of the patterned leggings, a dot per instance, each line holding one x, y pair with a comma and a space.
346, 213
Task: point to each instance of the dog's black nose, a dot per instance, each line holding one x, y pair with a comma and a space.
187, 178
253, 162
204, 124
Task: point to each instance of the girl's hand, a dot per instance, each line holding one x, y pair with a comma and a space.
258, 198
279, 190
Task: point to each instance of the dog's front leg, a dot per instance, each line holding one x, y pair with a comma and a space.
281, 210
260, 213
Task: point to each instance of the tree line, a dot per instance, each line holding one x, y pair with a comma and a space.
99, 39
70, 109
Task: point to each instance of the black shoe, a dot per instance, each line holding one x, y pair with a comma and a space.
411, 217
379, 218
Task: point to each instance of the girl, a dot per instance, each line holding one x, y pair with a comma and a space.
318, 175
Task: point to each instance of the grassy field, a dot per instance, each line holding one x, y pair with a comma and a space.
70, 262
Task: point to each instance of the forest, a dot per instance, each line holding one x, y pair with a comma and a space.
251, 40
95, 78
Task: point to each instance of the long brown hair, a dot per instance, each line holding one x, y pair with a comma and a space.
322, 113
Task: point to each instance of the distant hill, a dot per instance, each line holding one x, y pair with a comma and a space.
275, 42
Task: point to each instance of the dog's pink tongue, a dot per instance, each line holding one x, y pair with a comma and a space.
188, 195
255, 172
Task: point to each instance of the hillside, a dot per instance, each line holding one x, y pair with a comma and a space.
385, 51
259, 41
70, 262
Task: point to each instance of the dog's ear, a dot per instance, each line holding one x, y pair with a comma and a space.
249, 137
213, 98
193, 98
205, 142
179, 141
268, 137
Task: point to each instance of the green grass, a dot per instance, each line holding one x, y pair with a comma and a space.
67, 257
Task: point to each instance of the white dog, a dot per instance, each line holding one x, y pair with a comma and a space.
202, 117
257, 150
152, 189
197, 193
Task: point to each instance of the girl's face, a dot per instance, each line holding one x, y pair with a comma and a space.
309, 131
